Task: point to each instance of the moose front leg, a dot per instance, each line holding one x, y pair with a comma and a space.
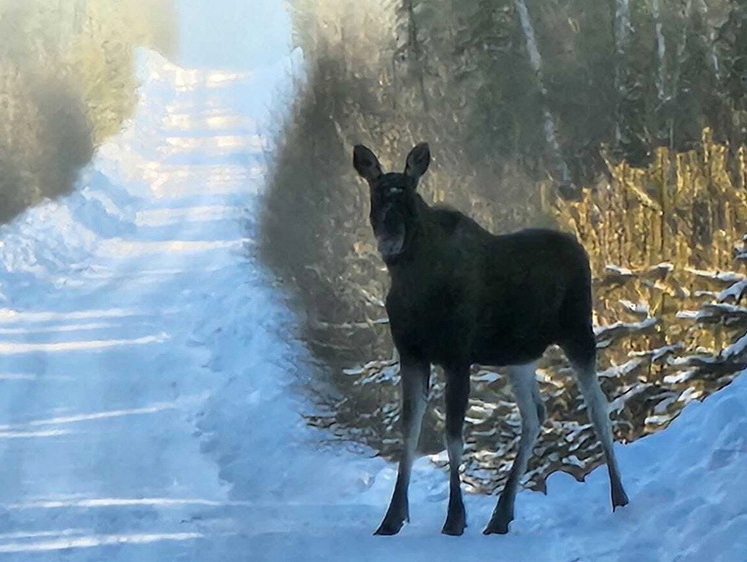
457, 397
414, 375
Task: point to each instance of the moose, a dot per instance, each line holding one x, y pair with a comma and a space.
459, 296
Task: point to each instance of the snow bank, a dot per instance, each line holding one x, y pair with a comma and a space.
57, 238
688, 503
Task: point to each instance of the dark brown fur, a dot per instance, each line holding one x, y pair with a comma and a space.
460, 295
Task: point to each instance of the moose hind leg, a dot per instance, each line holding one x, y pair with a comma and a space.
414, 377
457, 398
583, 360
532, 410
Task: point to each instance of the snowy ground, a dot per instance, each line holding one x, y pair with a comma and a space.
149, 407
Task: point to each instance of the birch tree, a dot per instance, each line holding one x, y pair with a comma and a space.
622, 27
535, 60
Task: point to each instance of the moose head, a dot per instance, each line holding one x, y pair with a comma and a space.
393, 198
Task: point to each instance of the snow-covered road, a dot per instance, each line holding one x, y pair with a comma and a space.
110, 298
149, 385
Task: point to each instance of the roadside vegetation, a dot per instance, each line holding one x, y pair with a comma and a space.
67, 82
622, 122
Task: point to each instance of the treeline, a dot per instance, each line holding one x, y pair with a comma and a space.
522, 101
559, 80
622, 121
66, 83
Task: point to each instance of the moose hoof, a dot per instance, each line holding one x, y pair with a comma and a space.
388, 527
454, 526
619, 498
497, 527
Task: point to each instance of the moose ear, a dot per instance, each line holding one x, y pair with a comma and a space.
366, 163
418, 161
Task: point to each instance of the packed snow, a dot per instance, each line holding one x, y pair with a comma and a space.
152, 384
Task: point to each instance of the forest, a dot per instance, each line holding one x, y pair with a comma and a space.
623, 122
67, 82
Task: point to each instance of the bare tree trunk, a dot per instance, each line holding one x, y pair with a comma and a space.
687, 6
661, 51
416, 51
535, 60
712, 51
622, 27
